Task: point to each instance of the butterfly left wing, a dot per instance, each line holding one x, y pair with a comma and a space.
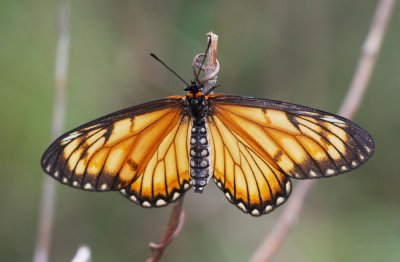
112, 152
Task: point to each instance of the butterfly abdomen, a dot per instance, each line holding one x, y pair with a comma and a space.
200, 160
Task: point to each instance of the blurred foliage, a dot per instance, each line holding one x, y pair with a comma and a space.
297, 51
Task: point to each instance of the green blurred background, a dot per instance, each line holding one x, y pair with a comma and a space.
298, 51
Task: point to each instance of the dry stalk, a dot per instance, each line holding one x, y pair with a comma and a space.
369, 53
48, 198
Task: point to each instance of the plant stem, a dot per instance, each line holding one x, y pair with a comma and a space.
48, 198
369, 53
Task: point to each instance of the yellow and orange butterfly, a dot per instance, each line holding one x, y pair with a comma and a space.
154, 152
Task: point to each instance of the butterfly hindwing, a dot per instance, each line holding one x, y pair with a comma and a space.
166, 176
248, 180
111, 152
291, 140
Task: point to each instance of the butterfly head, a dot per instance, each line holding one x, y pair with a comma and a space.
194, 87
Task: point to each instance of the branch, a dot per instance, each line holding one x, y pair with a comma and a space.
48, 198
367, 61
177, 217
349, 107
174, 227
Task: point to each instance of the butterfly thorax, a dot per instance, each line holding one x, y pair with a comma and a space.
200, 160
198, 107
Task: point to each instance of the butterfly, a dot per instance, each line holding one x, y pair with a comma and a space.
154, 152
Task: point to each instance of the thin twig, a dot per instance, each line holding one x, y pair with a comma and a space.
174, 227
349, 107
367, 61
48, 198
177, 217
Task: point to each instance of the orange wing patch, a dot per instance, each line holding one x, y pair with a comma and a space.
248, 180
111, 152
166, 176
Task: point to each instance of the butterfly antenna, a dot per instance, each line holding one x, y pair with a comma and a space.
172, 71
204, 59
211, 89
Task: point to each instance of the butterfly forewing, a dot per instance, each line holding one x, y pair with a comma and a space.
254, 136
111, 152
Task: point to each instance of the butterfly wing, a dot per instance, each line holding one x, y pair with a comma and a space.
166, 176
112, 152
270, 141
248, 180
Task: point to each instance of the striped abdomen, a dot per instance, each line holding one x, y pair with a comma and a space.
200, 160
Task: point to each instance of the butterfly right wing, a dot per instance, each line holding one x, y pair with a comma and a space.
258, 144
